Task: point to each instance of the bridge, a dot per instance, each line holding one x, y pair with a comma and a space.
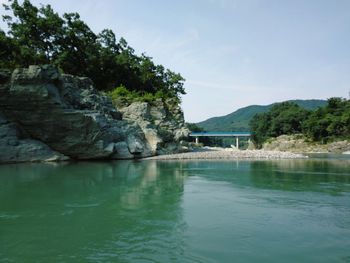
221, 134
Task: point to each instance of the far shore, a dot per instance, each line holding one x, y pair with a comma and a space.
229, 154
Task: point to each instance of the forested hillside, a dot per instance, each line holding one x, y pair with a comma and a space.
239, 120
324, 124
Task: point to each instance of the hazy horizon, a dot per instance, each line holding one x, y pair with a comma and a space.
233, 53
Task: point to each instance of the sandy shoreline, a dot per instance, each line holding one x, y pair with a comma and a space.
229, 154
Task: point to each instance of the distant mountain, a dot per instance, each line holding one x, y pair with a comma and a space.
239, 120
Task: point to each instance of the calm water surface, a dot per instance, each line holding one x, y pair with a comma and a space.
158, 211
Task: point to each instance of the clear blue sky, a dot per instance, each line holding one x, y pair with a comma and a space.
234, 53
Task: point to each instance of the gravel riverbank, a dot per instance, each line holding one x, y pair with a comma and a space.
229, 154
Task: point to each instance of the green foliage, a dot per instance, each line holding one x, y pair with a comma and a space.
330, 122
41, 36
239, 120
322, 124
124, 96
282, 118
8, 51
194, 127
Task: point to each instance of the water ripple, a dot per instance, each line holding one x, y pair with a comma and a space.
9, 216
76, 205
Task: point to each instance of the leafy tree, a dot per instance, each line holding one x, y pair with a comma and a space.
41, 36
282, 118
332, 121
194, 127
8, 51
323, 124
259, 126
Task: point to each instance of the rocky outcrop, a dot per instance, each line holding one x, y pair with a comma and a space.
16, 146
46, 115
297, 143
162, 123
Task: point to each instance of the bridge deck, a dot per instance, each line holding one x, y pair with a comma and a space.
220, 134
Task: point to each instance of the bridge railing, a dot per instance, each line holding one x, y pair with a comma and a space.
220, 134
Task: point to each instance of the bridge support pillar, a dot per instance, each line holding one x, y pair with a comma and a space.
237, 142
197, 140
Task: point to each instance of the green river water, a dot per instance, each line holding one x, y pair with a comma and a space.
170, 211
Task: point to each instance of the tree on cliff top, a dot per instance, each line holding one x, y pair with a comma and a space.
39, 35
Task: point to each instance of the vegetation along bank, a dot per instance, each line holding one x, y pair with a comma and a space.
68, 93
325, 129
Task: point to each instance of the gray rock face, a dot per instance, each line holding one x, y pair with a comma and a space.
15, 147
161, 122
47, 116
62, 116
121, 151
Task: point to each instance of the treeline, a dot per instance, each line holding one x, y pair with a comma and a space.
322, 125
39, 35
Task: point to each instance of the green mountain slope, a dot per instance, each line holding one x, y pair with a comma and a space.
239, 120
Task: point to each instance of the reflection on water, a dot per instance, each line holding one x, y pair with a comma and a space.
90, 211
332, 177
193, 211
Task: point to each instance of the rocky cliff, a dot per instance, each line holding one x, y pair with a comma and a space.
47, 116
162, 123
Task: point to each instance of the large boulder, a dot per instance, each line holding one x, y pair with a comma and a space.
46, 115
16, 147
66, 114
162, 123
